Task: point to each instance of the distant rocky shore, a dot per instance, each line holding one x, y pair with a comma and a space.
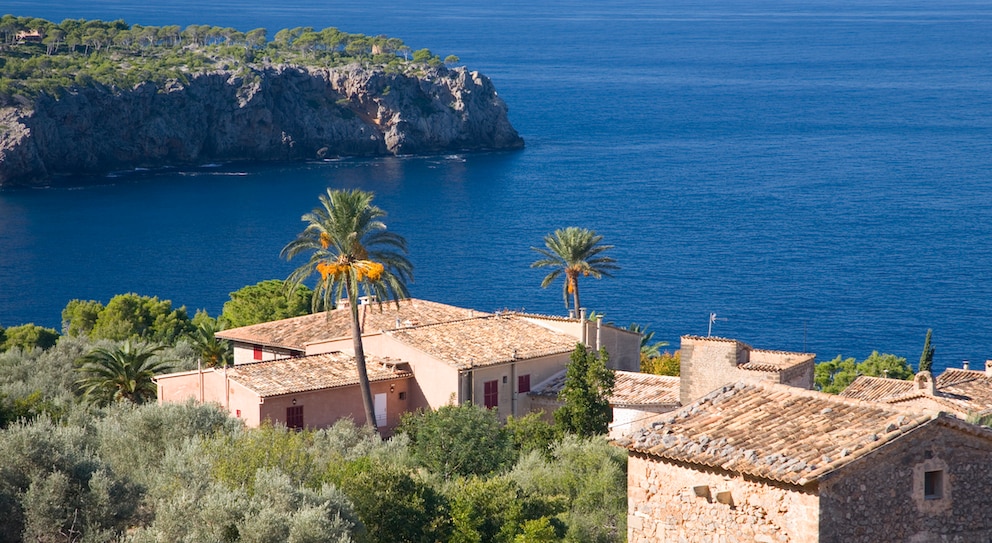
277, 113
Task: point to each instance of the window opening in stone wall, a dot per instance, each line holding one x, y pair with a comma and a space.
933, 485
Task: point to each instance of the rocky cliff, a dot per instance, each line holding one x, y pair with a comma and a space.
276, 113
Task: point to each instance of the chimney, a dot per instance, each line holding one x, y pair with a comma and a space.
599, 331
964, 364
924, 382
343, 303
585, 326
988, 368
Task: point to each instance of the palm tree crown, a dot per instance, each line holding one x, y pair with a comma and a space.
350, 249
574, 252
123, 373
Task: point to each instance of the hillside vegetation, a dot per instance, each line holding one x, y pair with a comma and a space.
38, 56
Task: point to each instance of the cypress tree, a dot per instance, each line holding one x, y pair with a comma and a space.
926, 359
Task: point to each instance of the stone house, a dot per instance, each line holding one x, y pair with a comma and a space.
710, 362
763, 462
961, 392
449, 354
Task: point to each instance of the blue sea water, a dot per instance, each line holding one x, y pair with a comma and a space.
817, 173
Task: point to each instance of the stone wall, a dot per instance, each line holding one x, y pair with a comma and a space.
671, 502
881, 496
707, 364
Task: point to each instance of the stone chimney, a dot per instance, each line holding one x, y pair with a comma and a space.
343, 303
988, 368
964, 364
924, 383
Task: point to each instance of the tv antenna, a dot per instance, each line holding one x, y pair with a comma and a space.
709, 331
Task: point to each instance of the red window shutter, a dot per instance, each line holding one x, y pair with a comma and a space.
258, 352
491, 394
523, 383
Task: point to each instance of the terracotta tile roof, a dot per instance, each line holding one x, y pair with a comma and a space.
297, 332
631, 389
635, 388
958, 390
329, 370
556, 318
774, 431
875, 389
485, 341
550, 387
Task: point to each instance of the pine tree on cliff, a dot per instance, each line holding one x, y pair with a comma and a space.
926, 359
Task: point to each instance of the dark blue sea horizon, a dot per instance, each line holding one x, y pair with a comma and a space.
819, 174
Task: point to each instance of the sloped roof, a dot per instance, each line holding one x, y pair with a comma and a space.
485, 341
295, 333
959, 390
877, 389
631, 389
635, 388
776, 432
306, 373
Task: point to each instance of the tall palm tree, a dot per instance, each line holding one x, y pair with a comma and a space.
351, 249
123, 373
574, 252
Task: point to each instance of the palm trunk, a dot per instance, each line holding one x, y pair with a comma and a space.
575, 296
363, 376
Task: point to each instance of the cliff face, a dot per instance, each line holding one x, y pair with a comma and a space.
280, 113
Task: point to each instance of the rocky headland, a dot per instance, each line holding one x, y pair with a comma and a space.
275, 113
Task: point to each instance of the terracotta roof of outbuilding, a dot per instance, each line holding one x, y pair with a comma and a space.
630, 390
775, 431
635, 388
959, 390
306, 373
295, 333
485, 341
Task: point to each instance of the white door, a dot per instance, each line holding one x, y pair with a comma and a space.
380, 410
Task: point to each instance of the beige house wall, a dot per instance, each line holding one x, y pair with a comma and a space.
244, 353
322, 408
677, 503
623, 346
511, 400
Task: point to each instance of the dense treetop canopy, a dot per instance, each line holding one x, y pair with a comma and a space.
38, 56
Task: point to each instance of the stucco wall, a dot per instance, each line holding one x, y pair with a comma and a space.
322, 408
880, 497
663, 506
244, 353
511, 401
624, 347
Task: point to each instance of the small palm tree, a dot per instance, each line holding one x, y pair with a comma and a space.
214, 352
574, 252
123, 373
350, 249
649, 347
